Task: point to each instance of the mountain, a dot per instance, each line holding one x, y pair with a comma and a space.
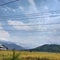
11, 45
47, 48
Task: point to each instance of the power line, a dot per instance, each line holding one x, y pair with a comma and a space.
26, 17
23, 18
32, 14
8, 2
16, 30
34, 24
51, 11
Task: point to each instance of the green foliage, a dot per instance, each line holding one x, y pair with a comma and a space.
47, 48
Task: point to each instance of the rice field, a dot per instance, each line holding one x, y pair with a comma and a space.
26, 55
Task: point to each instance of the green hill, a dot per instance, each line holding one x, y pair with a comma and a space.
47, 48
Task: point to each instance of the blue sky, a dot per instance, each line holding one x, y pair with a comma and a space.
30, 23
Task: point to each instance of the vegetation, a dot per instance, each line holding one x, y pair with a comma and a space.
47, 48
26, 55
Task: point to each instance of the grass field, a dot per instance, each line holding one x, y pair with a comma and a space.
25, 55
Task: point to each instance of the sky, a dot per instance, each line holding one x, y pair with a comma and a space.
30, 23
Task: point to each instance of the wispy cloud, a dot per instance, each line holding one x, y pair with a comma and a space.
4, 35
32, 7
21, 7
18, 25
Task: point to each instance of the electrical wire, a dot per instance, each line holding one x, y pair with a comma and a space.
34, 24
24, 18
8, 2
33, 14
16, 30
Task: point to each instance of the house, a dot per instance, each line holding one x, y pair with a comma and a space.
3, 47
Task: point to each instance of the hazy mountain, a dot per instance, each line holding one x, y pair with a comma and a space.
47, 48
11, 45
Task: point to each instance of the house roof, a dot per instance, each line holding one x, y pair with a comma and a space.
1, 46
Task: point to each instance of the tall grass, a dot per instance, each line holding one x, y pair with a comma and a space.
13, 57
21, 55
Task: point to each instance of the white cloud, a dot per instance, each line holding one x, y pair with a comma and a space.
32, 2
18, 25
8, 9
1, 26
32, 8
21, 7
4, 35
34, 41
28, 41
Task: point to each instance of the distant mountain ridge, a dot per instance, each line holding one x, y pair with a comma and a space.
11, 45
47, 48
